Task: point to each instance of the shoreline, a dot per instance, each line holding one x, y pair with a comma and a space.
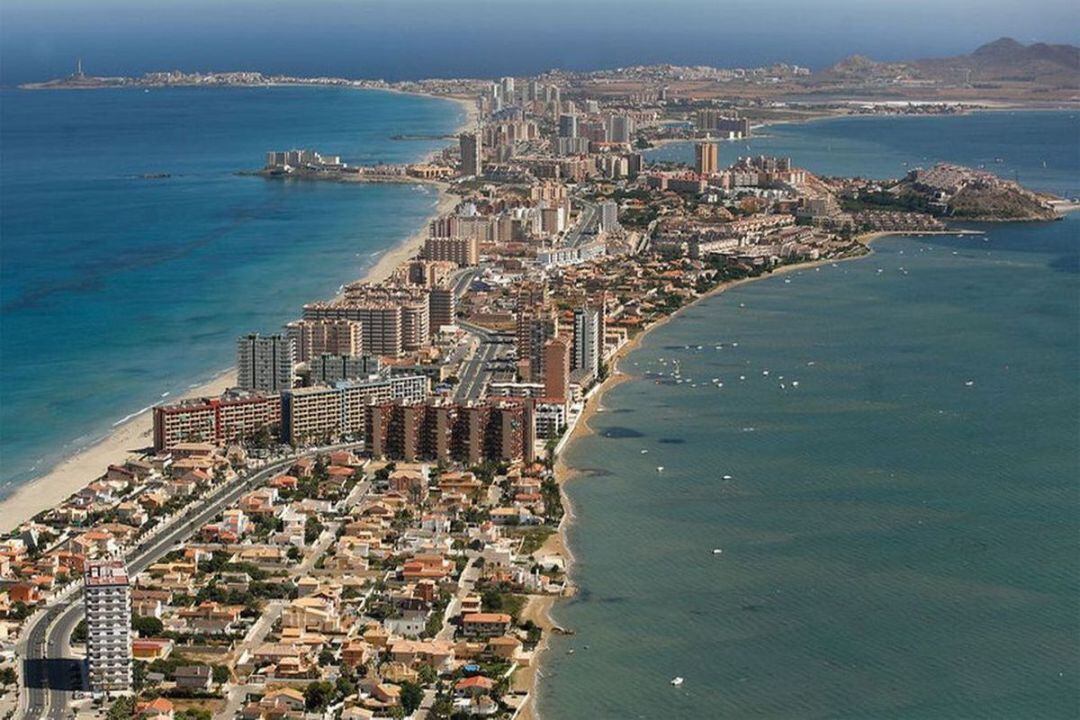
76, 470
539, 608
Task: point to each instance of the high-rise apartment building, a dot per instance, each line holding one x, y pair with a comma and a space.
464, 251
235, 415
556, 369
311, 338
620, 128
328, 369
108, 626
471, 163
264, 363
316, 413
609, 215
705, 157
568, 126
442, 307
534, 329
585, 353
507, 84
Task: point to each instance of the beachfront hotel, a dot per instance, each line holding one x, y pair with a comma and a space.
108, 626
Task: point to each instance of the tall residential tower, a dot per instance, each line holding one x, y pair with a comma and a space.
108, 626
264, 363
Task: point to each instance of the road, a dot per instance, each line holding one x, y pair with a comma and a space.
587, 225
476, 372
48, 674
255, 637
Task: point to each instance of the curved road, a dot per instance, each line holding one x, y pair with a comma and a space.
47, 677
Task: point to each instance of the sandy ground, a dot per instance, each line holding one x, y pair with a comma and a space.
136, 434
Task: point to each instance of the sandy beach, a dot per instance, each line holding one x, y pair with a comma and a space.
135, 435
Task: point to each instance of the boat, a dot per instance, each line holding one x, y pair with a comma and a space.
644, 452
717, 551
676, 681
969, 383
659, 468
727, 477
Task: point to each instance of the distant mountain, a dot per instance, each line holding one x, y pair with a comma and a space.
1004, 60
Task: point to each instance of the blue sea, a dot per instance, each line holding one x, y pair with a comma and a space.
118, 290
889, 469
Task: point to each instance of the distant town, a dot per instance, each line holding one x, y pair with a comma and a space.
367, 524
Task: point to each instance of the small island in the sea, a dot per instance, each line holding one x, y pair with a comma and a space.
365, 516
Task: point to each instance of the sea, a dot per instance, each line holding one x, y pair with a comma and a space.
132, 253
868, 506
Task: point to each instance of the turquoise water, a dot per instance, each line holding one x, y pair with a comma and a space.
900, 531
115, 289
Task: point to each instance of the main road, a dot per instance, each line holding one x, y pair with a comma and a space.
48, 679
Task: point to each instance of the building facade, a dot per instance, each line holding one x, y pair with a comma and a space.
317, 413
585, 353
471, 161
232, 416
108, 626
264, 363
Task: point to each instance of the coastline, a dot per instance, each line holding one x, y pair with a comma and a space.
539, 608
128, 437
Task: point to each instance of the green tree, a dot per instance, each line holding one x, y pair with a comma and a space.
122, 709
8, 676
312, 529
411, 696
318, 695
147, 626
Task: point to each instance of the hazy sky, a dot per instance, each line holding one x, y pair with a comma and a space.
417, 38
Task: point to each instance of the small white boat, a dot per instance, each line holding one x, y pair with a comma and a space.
794, 383
717, 551
727, 477
659, 468
644, 452
734, 344
764, 372
676, 681
969, 383
742, 377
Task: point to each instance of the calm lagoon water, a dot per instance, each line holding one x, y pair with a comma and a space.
901, 528
116, 288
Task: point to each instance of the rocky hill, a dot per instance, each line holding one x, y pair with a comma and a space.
1004, 60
